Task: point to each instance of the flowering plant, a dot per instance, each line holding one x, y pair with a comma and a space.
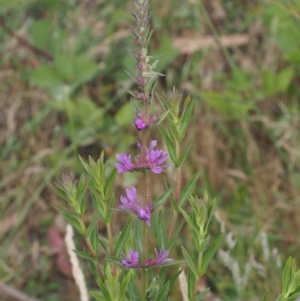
127, 255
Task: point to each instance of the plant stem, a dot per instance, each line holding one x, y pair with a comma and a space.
177, 191
93, 253
144, 202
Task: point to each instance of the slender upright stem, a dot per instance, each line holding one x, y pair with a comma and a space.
177, 192
91, 250
144, 202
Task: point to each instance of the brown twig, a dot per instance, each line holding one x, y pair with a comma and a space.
10, 292
24, 42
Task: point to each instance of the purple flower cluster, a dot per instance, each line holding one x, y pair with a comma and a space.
130, 203
132, 261
154, 159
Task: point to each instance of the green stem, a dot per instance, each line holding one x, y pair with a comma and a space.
144, 203
92, 252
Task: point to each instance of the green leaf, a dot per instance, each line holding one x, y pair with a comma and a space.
174, 278
168, 186
71, 218
163, 197
138, 236
266, 296
201, 295
185, 119
114, 260
188, 189
161, 231
189, 261
174, 237
124, 285
169, 143
93, 224
85, 255
103, 289
123, 238
103, 243
99, 205
287, 275
98, 295
85, 165
174, 262
210, 253
191, 281
164, 292
93, 268
184, 154
132, 291
81, 187
109, 182
94, 239
189, 220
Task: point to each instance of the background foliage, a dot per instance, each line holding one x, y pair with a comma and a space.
64, 92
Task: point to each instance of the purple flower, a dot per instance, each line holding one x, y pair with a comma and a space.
153, 160
130, 203
161, 258
131, 261
145, 214
142, 124
125, 163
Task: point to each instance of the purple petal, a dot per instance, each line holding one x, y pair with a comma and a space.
131, 194
153, 144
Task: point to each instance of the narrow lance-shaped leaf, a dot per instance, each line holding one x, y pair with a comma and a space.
174, 237
164, 292
94, 223
266, 296
189, 261
161, 231
163, 197
86, 166
103, 289
184, 154
138, 236
109, 182
189, 220
85, 255
210, 253
123, 238
287, 274
71, 219
94, 239
188, 189
201, 295
184, 121
124, 284
170, 144
191, 282
97, 295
